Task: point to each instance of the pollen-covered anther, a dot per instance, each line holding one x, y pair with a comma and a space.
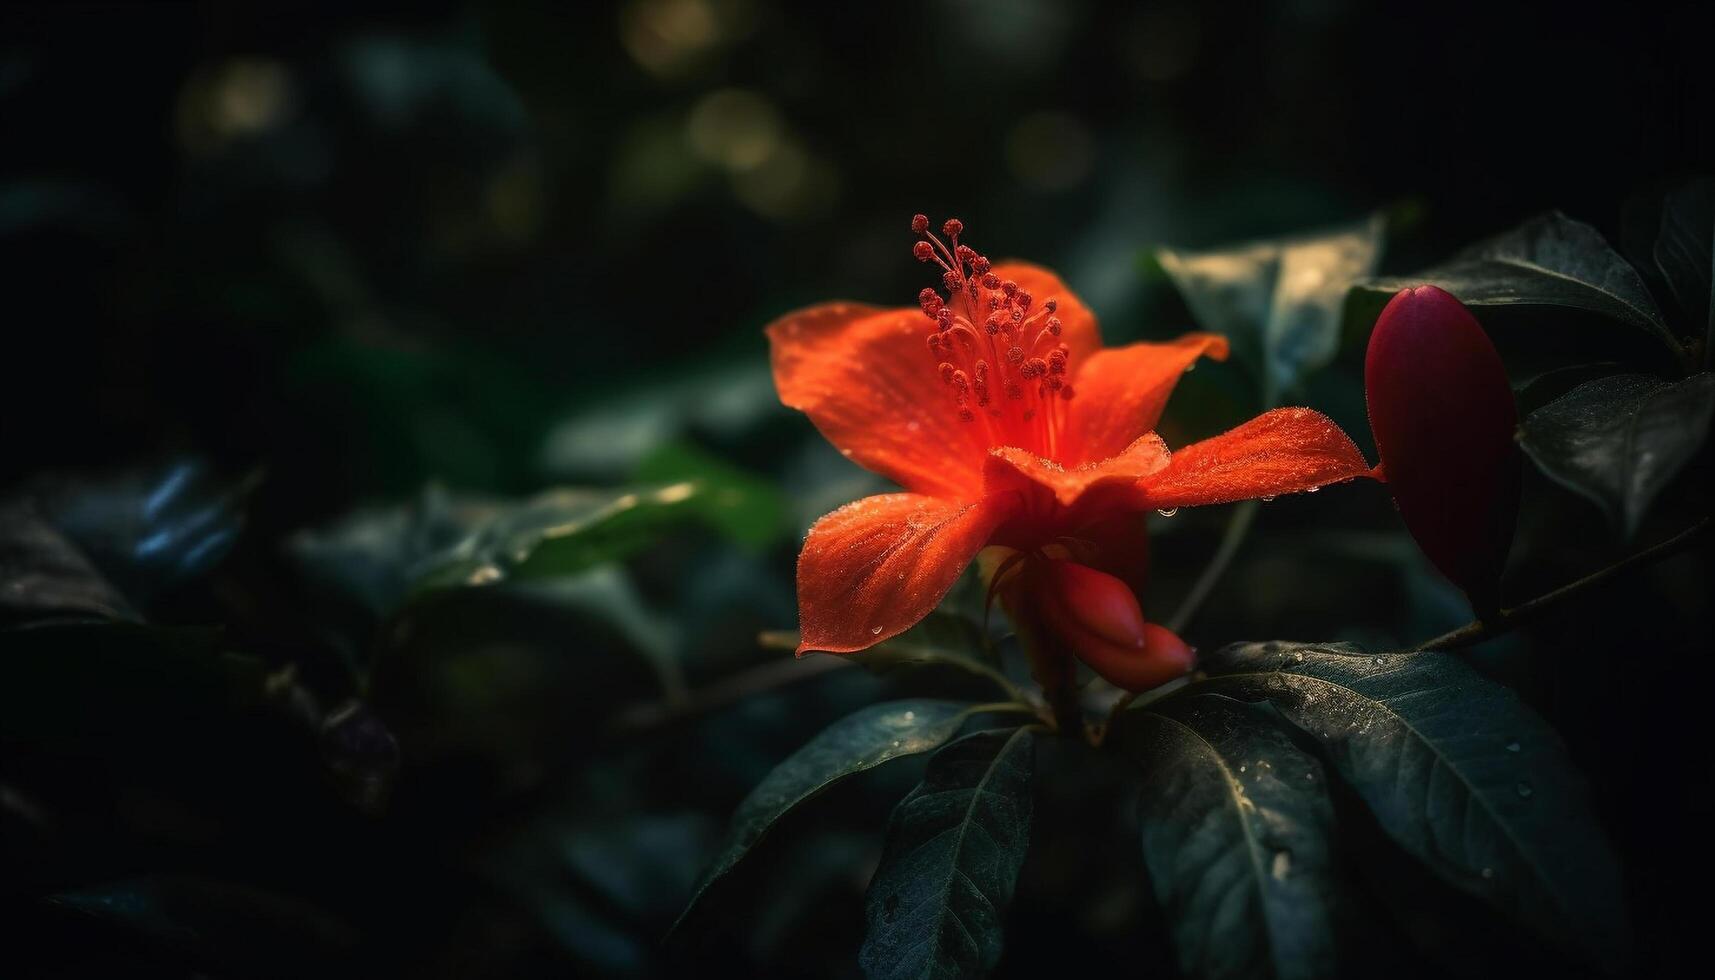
981, 266
919, 223
1015, 354
924, 252
1050, 305
1066, 392
965, 254
1014, 390
1036, 367
952, 228
1056, 361
990, 280
929, 299
951, 280
1055, 326
995, 323
947, 370
1009, 287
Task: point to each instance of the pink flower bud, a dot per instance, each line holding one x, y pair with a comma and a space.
1443, 417
1097, 619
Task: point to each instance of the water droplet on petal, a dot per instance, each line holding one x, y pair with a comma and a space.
875, 631
1524, 790
1169, 512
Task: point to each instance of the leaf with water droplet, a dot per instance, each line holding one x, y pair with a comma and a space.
1458, 771
1243, 869
936, 907
854, 744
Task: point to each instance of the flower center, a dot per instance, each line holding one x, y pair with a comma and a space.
997, 348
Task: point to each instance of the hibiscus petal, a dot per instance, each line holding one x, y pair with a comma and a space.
1283, 451
1012, 469
873, 568
1078, 329
1121, 392
866, 379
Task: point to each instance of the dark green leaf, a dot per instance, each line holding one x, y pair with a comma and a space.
1279, 301
1549, 261
1458, 772
1619, 440
851, 745
1685, 250
937, 905
1236, 824
382, 556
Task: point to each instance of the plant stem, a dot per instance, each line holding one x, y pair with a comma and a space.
1507, 620
1238, 525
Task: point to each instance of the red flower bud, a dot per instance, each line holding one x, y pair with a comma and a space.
1097, 619
1443, 417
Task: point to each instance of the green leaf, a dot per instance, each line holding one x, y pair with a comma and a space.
382, 556
1236, 824
741, 505
1619, 440
1685, 250
1549, 261
937, 904
856, 743
1279, 301
1458, 772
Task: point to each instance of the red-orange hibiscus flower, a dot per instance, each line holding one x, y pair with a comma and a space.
1007, 423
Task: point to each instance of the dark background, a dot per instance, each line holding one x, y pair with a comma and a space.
515, 245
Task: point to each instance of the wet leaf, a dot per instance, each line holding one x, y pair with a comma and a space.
937, 905
1619, 440
859, 742
1550, 261
1458, 772
1279, 300
1237, 829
